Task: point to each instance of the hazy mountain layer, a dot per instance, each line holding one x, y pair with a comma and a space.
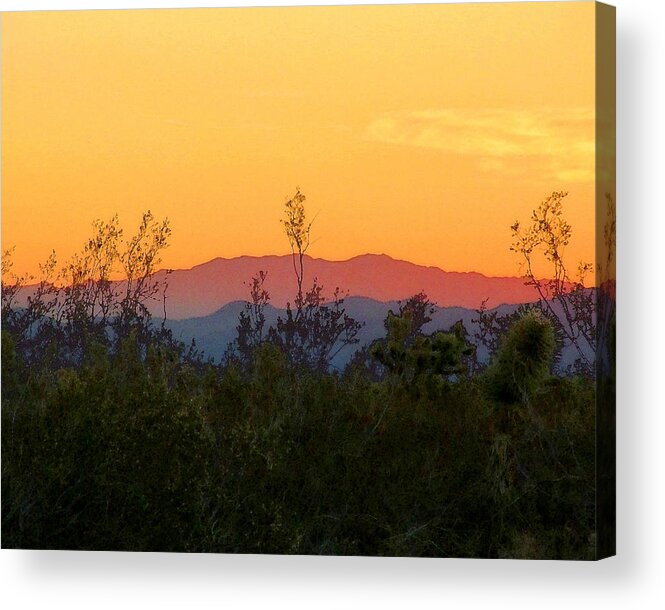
213, 333
203, 289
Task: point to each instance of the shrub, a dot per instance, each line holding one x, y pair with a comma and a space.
523, 360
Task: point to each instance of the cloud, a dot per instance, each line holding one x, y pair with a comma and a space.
557, 143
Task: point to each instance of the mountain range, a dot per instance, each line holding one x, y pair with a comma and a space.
204, 302
204, 289
213, 333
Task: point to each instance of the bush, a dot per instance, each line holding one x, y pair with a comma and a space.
523, 360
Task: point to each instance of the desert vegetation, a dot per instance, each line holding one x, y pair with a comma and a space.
117, 436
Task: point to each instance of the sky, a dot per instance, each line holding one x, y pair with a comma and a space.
422, 131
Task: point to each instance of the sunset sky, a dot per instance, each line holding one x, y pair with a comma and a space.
422, 132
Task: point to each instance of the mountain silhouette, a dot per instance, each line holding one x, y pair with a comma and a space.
205, 288
213, 333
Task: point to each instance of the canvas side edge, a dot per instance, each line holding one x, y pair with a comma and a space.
605, 158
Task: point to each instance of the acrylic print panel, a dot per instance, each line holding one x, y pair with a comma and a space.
324, 280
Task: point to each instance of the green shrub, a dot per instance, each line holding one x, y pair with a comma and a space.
523, 360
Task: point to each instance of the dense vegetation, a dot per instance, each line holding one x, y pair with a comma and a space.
135, 453
114, 436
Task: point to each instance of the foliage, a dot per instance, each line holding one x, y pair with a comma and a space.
415, 358
567, 302
316, 330
99, 296
251, 323
492, 327
523, 360
128, 452
314, 334
297, 231
419, 310
107, 456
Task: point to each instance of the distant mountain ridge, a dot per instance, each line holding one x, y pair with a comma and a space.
213, 333
205, 288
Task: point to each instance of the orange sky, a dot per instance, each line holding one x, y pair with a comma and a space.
422, 131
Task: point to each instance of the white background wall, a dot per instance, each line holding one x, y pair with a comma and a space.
636, 578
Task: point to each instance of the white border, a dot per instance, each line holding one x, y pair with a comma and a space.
633, 579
